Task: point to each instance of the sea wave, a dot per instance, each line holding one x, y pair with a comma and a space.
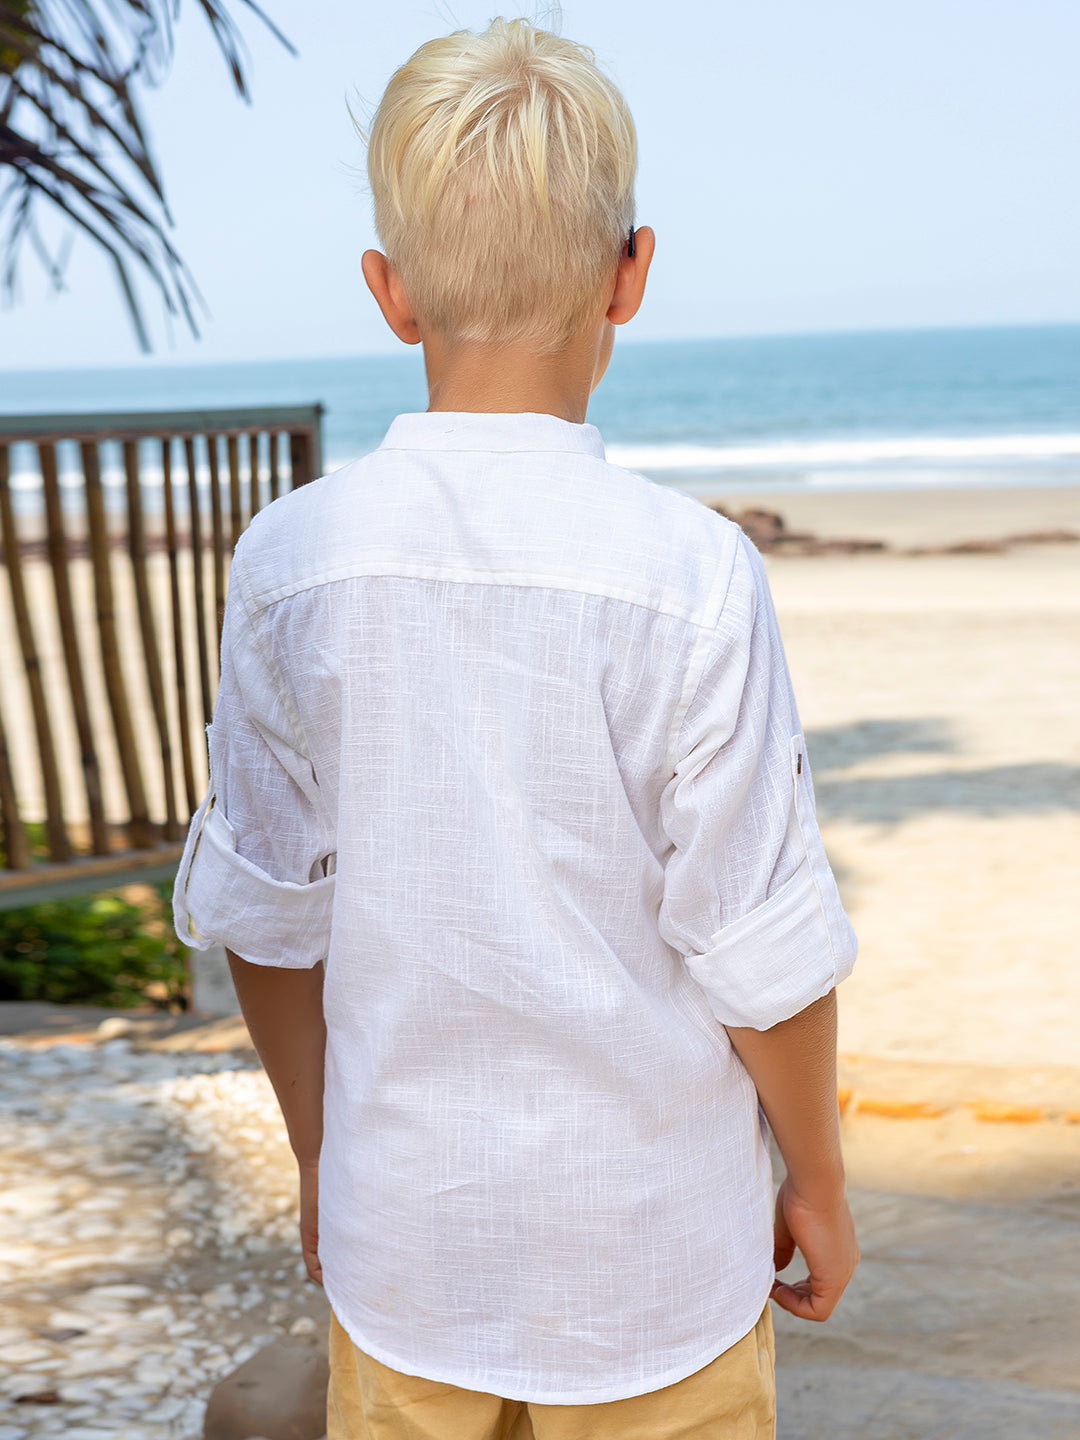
805, 455
899, 460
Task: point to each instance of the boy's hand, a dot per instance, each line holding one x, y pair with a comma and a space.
309, 1218
826, 1236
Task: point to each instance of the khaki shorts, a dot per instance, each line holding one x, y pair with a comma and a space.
733, 1398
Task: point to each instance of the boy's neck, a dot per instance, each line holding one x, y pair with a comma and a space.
514, 379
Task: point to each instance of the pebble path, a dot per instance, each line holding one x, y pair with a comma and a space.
148, 1240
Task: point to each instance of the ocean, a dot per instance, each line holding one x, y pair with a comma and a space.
902, 409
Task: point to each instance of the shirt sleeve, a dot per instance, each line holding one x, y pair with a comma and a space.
749, 898
257, 871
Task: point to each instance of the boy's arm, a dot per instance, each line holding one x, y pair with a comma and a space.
793, 1066
751, 903
284, 1015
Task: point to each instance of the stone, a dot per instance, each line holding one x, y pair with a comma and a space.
279, 1393
23, 1352
114, 1027
168, 1409
120, 1292
219, 1298
153, 1371
1044, 537
764, 527
975, 547
62, 1333
120, 1046
74, 1393
38, 1396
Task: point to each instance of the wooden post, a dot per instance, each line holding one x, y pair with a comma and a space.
253, 471
56, 830
151, 657
179, 658
218, 531
300, 457
141, 832
236, 518
17, 854
195, 520
65, 609
275, 451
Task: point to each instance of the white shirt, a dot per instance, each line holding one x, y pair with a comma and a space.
506, 735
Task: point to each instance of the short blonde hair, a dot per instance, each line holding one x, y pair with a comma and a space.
502, 169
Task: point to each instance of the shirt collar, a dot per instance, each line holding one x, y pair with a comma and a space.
457, 430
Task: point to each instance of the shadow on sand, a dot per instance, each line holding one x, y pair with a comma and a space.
1038, 787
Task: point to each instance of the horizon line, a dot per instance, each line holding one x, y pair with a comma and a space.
153, 362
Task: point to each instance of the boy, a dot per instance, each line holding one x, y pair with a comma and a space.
510, 834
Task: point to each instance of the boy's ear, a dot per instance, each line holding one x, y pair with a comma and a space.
631, 276
385, 284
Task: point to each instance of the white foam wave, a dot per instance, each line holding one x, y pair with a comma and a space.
827, 462
813, 454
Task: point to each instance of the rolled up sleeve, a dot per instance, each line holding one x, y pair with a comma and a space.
257, 871
749, 900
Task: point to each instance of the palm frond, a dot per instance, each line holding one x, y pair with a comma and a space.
73, 139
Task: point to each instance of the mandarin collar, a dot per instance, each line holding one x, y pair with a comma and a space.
460, 430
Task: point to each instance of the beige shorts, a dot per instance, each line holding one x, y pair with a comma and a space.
733, 1398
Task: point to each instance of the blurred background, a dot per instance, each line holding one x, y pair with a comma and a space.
861, 339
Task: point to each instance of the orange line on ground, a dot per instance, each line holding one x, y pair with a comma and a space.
899, 1109
1016, 1114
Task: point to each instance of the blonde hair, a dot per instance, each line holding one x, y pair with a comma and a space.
502, 169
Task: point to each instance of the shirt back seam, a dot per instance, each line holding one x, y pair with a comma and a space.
699, 616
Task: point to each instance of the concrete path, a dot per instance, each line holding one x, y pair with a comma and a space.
962, 1319
845, 1402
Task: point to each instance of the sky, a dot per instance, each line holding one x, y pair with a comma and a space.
807, 165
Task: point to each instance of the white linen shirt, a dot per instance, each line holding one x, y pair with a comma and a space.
505, 737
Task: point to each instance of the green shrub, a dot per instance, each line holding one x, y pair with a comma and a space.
117, 949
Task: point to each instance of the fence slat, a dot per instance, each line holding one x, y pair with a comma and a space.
179, 657
65, 609
218, 532
140, 829
55, 829
236, 520
300, 458
17, 854
151, 656
195, 521
275, 451
253, 468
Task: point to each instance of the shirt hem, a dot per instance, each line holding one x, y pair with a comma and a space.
464, 1381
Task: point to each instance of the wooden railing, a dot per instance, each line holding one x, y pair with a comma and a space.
110, 626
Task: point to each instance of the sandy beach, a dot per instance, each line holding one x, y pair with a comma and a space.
939, 696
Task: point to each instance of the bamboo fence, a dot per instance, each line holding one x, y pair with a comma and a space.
115, 535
